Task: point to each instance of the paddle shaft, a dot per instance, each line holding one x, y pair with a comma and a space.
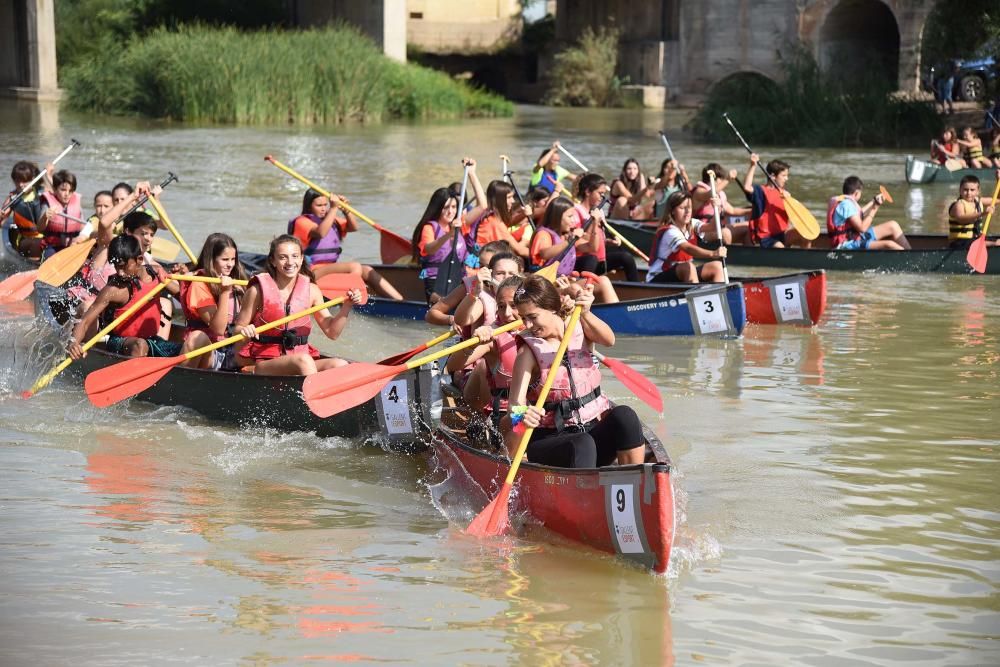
509, 175
993, 203
170, 227
443, 281
73, 143
171, 177
749, 150
342, 204
550, 379
570, 156
628, 244
670, 154
718, 222
146, 298
191, 278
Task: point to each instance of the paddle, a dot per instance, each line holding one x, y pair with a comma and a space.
718, 222
634, 381
332, 285
18, 286
804, 221
670, 153
493, 520
392, 246
164, 249
978, 254
73, 143
337, 389
48, 377
110, 385
625, 242
65, 264
885, 193
450, 271
170, 227
570, 156
403, 357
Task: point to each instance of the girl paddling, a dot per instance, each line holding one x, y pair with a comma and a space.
287, 287
434, 238
675, 248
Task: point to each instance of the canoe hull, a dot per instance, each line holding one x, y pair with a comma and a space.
246, 400
922, 171
627, 511
930, 254
11, 261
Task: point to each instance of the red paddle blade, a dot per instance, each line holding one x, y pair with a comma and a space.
334, 285
493, 520
18, 286
635, 382
403, 357
337, 389
977, 254
393, 247
110, 385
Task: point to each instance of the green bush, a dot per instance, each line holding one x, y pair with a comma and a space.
584, 75
810, 108
326, 76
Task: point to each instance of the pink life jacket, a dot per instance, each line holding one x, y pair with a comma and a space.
575, 397
61, 231
292, 338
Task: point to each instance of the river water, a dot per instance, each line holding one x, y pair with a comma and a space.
836, 485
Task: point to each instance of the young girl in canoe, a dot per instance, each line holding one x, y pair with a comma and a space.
631, 193
972, 150
440, 313
577, 428
498, 354
703, 207
102, 204
27, 212
285, 288
211, 309
434, 237
675, 248
491, 220
61, 213
946, 151
133, 279
669, 182
321, 229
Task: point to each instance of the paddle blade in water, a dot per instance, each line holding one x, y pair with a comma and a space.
977, 254
110, 385
18, 286
337, 389
549, 272
63, 265
493, 520
635, 382
801, 218
334, 285
394, 247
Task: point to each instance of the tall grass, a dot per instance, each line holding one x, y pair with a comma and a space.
326, 76
812, 108
584, 75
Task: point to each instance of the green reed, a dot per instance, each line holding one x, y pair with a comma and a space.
324, 76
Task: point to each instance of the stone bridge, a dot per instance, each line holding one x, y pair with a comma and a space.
687, 47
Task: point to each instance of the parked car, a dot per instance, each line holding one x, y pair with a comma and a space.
972, 76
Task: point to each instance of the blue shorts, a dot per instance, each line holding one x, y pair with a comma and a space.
157, 346
860, 243
769, 241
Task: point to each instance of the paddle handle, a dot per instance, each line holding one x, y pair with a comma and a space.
471, 342
265, 327
564, 192
326, 193
129, 312
73, 143
750, 151
989, 216
628, 244
570, 156
670, 154
170, 226
550, 378
204, 279
718, 223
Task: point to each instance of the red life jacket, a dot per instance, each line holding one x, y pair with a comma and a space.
575, 397
293, 338
144, 323
61, 231
774, 218
658, 263
838, 234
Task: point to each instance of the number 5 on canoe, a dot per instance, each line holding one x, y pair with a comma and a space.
110, 385
337, 389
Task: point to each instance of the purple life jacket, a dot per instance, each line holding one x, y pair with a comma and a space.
320, 251
568, 261
431, 263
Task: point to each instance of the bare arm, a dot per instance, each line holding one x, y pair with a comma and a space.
438, 313
333, 325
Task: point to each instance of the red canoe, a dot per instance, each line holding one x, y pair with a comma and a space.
623, 510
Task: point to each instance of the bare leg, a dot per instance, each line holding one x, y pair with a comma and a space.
620, 208
687, 273
194, 340
632, 456
892, 230
375, 280
288, 364
794, 238
604, 291
711, 272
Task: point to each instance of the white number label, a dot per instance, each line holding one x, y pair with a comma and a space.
623, 515
711, 313
396, 408
789, 302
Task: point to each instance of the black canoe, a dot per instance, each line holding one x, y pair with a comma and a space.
930, 254
11, 261
258, 401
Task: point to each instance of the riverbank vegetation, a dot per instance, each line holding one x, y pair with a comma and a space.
225, 75
811, 108
583, 75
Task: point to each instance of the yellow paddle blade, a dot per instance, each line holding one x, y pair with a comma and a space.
165, 249
63, 265
800, 217
549, 272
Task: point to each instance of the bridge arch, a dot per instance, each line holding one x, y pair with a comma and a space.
857, 36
